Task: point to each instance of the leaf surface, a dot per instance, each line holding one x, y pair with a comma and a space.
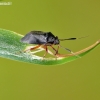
12, 48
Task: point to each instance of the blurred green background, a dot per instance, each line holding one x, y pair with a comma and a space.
78, 80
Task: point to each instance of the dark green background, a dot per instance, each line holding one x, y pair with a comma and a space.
77, 80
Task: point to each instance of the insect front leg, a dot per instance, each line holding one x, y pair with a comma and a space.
55, 54
55, 49
70, 51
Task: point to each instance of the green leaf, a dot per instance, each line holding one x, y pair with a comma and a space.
12, 48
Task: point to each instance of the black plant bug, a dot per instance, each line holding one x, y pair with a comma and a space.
44, 39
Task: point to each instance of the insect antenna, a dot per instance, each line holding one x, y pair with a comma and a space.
72, 38
70, 51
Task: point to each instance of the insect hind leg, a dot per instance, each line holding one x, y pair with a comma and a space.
32, 48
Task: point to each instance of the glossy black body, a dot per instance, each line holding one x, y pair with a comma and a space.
40, 37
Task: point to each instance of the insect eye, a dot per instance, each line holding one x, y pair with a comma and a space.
52, 38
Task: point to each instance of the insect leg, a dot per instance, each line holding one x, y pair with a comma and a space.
53, 48
32, 48
35, 47
55, 51
45, 47
46, 51
70, 51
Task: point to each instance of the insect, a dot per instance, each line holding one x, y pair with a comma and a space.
44, 39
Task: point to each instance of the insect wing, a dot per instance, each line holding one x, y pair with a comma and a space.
34, 37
